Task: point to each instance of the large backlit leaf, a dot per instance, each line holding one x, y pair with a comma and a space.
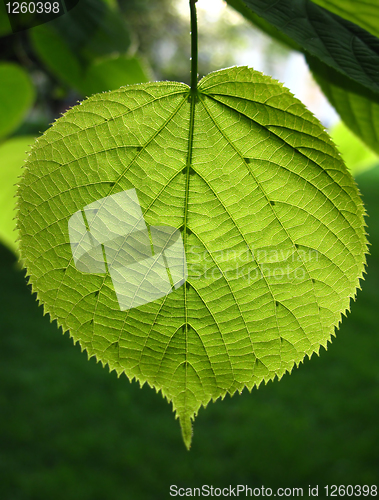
269, 217
351, 50
16, 96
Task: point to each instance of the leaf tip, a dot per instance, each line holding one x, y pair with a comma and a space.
186, 426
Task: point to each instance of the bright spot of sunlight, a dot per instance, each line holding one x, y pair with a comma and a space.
212, 9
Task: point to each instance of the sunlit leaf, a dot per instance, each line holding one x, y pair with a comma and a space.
357, 156
12, 155
16, 96
255, 193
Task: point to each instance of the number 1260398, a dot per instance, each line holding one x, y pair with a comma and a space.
33, 7
351, 491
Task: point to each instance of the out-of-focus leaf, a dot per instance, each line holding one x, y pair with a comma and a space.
5, 25
72, 44
358, 157
57, 56
92, 29
16, 96
365, 13
261, 23
112, 73
101, 75
337, 42
357, 106
12, 155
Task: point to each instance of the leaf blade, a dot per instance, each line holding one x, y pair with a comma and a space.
254, 184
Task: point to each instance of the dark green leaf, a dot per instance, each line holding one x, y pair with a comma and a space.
93, 29
5, 25
262, 24
71, 44
362, 12
357, 106
337, 42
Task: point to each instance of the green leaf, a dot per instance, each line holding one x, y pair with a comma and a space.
261, 23
5, 25
112, 73
269, 217
12, 154
351, 50
55, 53
71, 44
364, 13
357, 156
357, 106
92, 29
100, 75
16, 96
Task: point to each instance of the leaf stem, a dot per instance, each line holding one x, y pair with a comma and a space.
193, 47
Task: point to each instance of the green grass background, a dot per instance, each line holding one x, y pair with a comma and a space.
69, 430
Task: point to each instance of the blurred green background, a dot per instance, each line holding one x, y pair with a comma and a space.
69, 429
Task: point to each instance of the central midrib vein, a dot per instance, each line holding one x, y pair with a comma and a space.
193, 98
188, 164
